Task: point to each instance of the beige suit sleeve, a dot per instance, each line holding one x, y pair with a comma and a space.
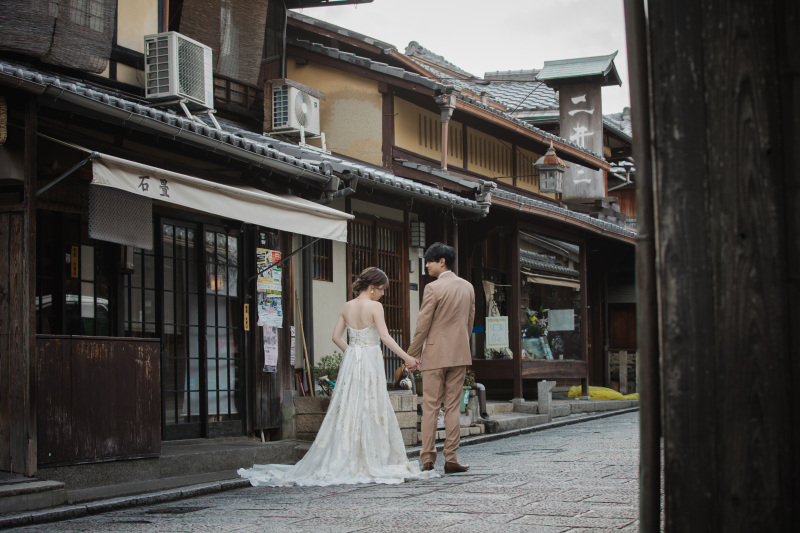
424, 320
471, 322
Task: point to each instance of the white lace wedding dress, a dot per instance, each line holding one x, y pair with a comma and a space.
359, 440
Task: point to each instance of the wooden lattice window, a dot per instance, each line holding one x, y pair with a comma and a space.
380, 244
322, 260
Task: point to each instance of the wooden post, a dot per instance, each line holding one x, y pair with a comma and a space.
514, 321
23, 314
584, 318
727, 194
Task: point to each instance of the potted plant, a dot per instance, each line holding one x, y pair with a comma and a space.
326, 371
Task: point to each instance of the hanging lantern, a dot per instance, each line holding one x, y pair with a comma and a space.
551, 171
418, 234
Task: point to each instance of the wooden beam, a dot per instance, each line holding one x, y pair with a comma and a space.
515, 324
387, 124
567, 152
539, 369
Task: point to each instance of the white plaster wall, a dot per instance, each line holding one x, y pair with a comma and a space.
329, 297
135, 19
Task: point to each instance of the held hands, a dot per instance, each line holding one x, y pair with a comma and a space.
411, 364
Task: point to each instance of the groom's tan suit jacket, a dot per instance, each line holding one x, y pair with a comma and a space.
444, 324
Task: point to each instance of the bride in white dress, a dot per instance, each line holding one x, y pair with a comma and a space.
359, 440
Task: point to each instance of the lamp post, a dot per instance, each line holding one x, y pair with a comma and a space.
551, 171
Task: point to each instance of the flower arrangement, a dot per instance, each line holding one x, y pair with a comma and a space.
536, 324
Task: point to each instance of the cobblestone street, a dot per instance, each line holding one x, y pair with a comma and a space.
580, 477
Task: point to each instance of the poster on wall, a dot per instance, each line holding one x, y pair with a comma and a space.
268, 288
496, 332
291, 347
561, 320
270, 335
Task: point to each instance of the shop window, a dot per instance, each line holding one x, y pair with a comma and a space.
322, 260
551, 299
74, 289
139, 296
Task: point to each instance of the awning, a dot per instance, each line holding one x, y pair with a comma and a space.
553, 280
286, 213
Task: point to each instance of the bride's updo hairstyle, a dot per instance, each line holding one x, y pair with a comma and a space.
370, 276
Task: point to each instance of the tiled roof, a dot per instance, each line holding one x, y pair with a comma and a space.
415, 50
516, 95
566, 213
544, 262
621, 122
519, 90
367, 63
582, 67
523, 96
250, 147
379, 177
386, 47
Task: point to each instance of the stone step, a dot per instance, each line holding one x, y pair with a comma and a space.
30, 495
501, 422
496, 407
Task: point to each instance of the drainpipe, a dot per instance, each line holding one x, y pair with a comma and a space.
447, 104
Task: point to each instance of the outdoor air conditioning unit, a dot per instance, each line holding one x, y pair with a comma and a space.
178, 67
294, 111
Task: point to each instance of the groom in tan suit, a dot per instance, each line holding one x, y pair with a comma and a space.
441, 341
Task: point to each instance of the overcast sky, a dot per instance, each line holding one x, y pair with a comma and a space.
480, 36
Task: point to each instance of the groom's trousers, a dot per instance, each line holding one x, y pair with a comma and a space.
441, 385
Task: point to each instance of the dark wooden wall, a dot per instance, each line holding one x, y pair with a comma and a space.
14, 371
725, 110
98, 398
17, 329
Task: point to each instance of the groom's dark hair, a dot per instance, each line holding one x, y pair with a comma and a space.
437, 251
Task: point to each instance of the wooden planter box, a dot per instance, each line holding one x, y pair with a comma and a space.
309, 413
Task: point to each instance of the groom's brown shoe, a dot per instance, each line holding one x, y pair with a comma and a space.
427, 466
454, 468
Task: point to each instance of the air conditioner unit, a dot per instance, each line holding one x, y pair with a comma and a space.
293, 109
178, 67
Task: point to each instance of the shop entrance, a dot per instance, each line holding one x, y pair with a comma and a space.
201, 331
188, 291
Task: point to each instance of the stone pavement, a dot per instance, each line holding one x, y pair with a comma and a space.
572, 478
